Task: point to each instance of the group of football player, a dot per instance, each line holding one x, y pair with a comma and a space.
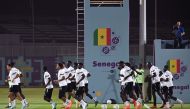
71, 79
162, 84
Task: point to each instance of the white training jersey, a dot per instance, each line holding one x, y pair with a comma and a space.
78, 76
61, 74
68, 72
86, 75
170, 76
12, 74
72, 70
155, 70
127, 71
18, 72
163, 83
47, 76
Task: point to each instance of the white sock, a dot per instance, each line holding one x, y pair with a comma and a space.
146, 106
167, 105
127, 103
139, 100
26, 102
179, 101
23, 103
14, 102
82, 102
53, 104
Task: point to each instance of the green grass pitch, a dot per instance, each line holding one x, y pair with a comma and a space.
35, 99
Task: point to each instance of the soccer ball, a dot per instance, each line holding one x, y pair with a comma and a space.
109, 102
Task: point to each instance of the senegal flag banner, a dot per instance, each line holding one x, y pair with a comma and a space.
102, 37
174, 65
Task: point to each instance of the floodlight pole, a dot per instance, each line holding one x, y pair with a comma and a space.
155, 18
142, 31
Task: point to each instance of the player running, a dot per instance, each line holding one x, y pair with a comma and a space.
14, 87
62, 85
49, 88
19, 86
139, 79
19, 83
127, 90
70, 72
154, 74
170, 86
79, 76
87, 75
164, 82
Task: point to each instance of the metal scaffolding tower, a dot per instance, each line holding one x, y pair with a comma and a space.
80, 30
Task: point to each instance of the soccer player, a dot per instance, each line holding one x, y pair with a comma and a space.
127, 91
71, 84
170, 86
87, 74
14, 86
139, 81
49, 88
18, 80
14, 101
73, 81
79, 76
62, 85
122, 92
154, 74
72, 72
164, 82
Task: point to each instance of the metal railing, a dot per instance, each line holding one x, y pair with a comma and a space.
106, 3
